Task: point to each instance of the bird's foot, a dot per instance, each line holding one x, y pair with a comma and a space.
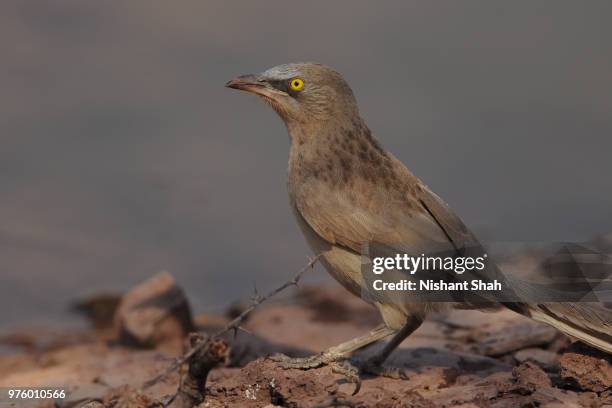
350, 372
306, 363
338, 363
351, 369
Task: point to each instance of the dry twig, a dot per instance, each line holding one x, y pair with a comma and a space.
232, 325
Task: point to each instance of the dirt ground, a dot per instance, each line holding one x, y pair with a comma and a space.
460, 359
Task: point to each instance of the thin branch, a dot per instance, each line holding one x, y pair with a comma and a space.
232, 325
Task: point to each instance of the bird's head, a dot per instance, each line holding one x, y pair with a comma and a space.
301, 92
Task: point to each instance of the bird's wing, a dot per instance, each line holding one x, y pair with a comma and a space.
380, 223
420, 223
454, 229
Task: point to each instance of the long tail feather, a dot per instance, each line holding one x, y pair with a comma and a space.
589, 322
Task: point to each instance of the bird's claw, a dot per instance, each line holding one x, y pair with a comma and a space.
395, 373
352, 370
349, 371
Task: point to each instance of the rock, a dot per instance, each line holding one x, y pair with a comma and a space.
152, 313
529, 377
93, 404
440, 372
509, 337
557, 398
587, 368
543, 358
606, 397
262, 382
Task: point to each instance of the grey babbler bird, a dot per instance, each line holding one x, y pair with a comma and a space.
346, 191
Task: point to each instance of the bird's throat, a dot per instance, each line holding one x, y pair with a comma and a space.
340, 154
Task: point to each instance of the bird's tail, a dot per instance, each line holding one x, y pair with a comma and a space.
579, 307
589, 322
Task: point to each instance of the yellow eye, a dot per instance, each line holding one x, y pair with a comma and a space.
297, 84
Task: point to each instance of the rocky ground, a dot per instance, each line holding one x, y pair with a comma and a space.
463, 358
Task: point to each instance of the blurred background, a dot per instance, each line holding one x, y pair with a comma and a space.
122, 154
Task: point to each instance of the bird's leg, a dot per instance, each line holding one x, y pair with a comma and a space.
336, 356
351, 370
374, 364
335, 353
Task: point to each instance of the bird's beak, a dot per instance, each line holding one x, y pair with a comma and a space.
255, 84
246, 83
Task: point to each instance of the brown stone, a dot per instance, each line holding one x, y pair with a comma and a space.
587, 368
153, 312
529, 377
543, 358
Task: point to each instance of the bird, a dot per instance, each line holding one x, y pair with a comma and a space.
346, 191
